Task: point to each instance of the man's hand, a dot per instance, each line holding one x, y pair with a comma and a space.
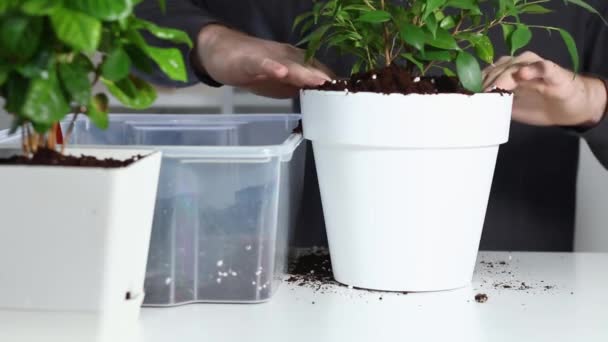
547, 94
263, 67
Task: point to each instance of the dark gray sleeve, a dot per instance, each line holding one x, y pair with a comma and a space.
594, 56
186, 16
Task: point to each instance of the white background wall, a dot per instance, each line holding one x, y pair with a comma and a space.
592, 195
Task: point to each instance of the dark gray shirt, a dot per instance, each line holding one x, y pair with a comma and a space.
532, 202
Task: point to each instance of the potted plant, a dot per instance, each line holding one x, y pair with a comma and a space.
75, 229
406, 160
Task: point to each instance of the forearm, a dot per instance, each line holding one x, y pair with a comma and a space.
597, 135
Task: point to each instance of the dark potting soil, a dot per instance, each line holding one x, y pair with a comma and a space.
315, 271
481, 298
48, 157
397, 80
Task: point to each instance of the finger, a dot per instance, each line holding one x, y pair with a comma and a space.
300, 76
491, 73
257, 67
549, 72
323, 68
504, 80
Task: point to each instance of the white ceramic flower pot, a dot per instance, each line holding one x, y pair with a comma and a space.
405, 182
75, 240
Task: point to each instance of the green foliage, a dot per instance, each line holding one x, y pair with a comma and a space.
426, 33
47, 64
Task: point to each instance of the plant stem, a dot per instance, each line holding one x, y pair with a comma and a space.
68, 134
387, 52
427, 68
457, 29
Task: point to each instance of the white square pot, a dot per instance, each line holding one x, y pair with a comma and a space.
405, 181
75, 239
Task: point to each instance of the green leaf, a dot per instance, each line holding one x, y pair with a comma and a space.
448, 72
105, 10
520, 38
413, 60
4, 72
571, 46
97, 111
132, 92
170, 61
300, 19
39, 64
432, 5
40, 7
485, 49
377, 16
163, 6
507, 31
442, 40
9, 5
140, 60
15, 87
44, 101
75, 79
20, 36
534, 9
437, 56
463, 4
116, 65
78, 30
164, 33
432, 25
468, 71
447, 23
413, 35
587, 7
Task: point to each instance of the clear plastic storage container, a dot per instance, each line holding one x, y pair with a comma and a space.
228, 196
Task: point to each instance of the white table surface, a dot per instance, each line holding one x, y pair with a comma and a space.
567, 300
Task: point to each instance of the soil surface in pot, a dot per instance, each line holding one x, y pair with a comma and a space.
396, 80
48, 157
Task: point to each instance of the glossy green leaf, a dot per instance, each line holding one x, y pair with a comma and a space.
164, 33
97, 111
448, 72
447, 23
507, 32
106, 10
133, 92
571, 46
116, 65
463, 4
484, 49
589, 8
78, 30
74, 77
44, 101
431, 5
4, 73
520, 38
170, 61
432, 25
443, 40
377, 16
414, 61
413, 35
40, 7
139, 59
535, 9
20, 36
469, 72
437, 56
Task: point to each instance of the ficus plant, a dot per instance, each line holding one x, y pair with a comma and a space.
52, 53
422, 35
